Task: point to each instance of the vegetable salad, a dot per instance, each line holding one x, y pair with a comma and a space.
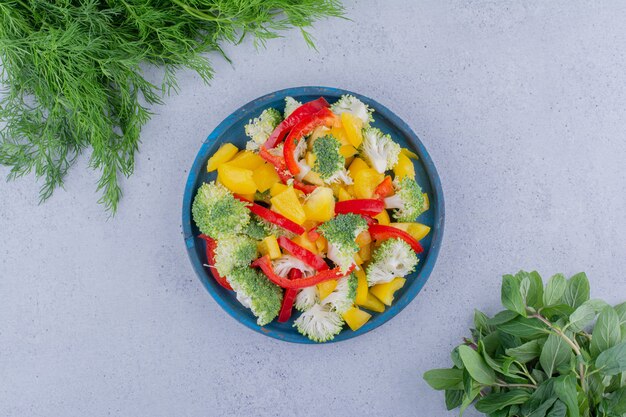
318, 214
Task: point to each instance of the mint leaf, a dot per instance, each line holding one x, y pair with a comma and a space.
497, 401
554, 290
585, 314
526, 328
565, 390
511, 295
476, 366
441, 379
606, 332
577, 290
454, 398
559, 409
612, 361
526, 352
554, 353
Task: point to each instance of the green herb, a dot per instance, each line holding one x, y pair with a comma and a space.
539, 357
72, 73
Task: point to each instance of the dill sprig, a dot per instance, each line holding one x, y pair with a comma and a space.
72, 79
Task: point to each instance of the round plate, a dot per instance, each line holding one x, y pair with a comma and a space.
232, 130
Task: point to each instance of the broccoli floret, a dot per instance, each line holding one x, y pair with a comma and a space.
351, 104
393, 258
257, 293
286, 263
256, 228
319, 323
379, 150
234, 252
306, 298
329, 162
217, 212
260, 128
408, 200
290, 105
342, 297
341, 232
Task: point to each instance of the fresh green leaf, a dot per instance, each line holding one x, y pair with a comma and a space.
542, 409
499, 400
559, 409
511, 295
502, 317
476, 366
616, 403
557, 311
612, 361
454, 398
456, 359
480, 322
526, 352
540, 401
534, 293
526, 328
620, 309
554, 290
585, 314
441, 379
554, 353
565, 389
576, 290
468, 399
606, 332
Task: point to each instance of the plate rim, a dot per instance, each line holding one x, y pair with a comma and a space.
411, 137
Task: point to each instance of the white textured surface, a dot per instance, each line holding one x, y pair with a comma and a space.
522, 107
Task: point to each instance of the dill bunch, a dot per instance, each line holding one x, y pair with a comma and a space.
72, 80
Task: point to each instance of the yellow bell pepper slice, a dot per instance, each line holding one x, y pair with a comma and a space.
277, 188
322, 244
269, 246
366, 181
320, 205
238, 180
326, 287
365, 252
426, 202
340, 134
264, 177
288, 204
404, 167
347, 151
361, 288
372, 303
357, 165
225, 153
247, 159
355, 318
352, 125
383, 218
417, 230
304, 241
410, 154
385, 292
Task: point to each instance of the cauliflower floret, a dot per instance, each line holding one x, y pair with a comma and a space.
319, 323
393, 258
342, 297
379, 150
290, 105
260, 128
351, 104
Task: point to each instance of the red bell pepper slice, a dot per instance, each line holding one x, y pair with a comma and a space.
305, 255
369, 207
305, 188
283, 173
273, 217
324, 117
313, 234
211, 244
289, 297
265, 264
294, 118
384, 189
381, 232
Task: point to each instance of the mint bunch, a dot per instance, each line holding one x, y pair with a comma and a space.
543, 356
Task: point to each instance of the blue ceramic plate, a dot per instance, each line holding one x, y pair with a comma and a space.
232, 130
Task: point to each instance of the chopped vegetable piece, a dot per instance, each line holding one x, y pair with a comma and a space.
306, 298
291, 104
269, 246
257, 293
234, 252
320, 205
408, 153
356, 318
417, 230
365, 253
306, 256
393, 258
408, 201
278, 188
372, 303
379, 149
362, 288
325, 288
342, 296
384, 189
380, 232
260, 128
357, 165
347, 151
247, 160
273, 217
360, 206
266, 266
224, 154
404, 168
329, 162
322, 244
217, 212
383, 218
343, 195
304, 241
288, 298
238, 180
365, 182
265, 177
385, 292
319, 323
340, 134
302, 112
364, 238
286, 263
288, 204
341, 233
352, 126
210, 256
348, 104
324, 117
